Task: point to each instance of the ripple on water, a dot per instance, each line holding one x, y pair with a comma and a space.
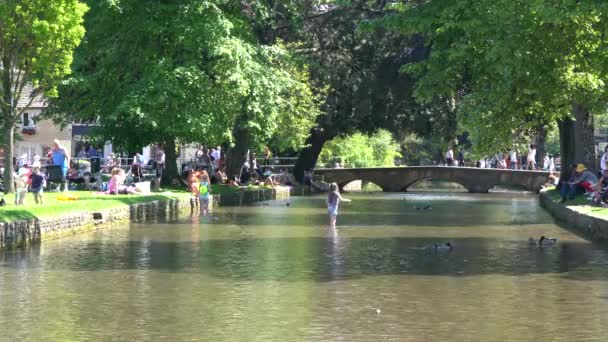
276, 273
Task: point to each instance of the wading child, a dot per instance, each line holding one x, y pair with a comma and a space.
204, 191
193, 180
38, 184
333, 201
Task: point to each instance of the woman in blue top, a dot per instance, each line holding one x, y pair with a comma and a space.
59, 156
333, 201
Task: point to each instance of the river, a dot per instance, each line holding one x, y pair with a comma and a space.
273, 272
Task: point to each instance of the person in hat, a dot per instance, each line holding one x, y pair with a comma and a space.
583, 182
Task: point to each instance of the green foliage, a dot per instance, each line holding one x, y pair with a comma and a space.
360, 150
190, 70
37, 41
513, 64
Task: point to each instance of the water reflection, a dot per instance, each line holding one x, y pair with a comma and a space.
272, 272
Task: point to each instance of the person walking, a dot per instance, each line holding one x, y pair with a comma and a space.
513, 159
60, 157
449, 157
603, 160
159, 159
531, 161
460, 157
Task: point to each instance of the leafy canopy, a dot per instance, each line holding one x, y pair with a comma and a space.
514, 64
189, 70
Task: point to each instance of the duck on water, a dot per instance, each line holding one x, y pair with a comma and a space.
440, 247
543, 241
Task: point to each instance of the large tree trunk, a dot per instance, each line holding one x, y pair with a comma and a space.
171, 172
541, 144
576, 140
237, 155
9, 146
307, 159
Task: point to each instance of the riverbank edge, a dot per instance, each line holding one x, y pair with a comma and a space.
18, 234
593, 228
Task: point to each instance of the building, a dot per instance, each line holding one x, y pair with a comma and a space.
36, 136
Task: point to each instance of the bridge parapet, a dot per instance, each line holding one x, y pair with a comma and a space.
475, 180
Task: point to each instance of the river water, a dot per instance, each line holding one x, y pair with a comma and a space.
273, 272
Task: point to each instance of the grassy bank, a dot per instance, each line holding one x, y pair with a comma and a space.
580, 204
89, 202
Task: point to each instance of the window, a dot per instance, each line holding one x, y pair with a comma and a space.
26, 120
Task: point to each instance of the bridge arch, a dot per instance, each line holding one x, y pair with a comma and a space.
399, 179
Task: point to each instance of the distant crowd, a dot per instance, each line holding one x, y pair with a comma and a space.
505, 160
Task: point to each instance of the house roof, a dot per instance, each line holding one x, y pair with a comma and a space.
26, 94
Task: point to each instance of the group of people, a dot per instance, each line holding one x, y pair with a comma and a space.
511, 161
449, 157
30, 178
584, 181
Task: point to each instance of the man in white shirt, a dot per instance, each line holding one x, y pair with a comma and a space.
513, 158
449, 157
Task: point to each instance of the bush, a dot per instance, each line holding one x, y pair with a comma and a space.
359, 150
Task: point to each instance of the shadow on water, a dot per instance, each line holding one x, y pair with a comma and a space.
321, 259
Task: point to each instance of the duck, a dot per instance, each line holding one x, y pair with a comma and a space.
532, 241
545, 241
427, 207
443, 247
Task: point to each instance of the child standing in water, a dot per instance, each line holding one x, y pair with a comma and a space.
333, 201
204, 190
193, 186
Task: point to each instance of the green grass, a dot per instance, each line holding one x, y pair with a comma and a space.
91, 202
87, 202
581, 205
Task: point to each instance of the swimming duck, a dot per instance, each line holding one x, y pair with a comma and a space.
545, 241
532, 241
444, 247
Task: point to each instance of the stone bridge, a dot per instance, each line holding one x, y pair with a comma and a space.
398, 179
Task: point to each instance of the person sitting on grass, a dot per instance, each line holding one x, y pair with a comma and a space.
220, 176
582, 182
38, 184
232, 182
269, 180
116, 185
600, 196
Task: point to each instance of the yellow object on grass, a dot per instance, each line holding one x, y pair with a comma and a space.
67, 197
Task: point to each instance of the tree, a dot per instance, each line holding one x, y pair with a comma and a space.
360, 70
360, 150
189, 71
519, 65
37, 41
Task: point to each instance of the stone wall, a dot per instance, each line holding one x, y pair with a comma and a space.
22, 233
594, 228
